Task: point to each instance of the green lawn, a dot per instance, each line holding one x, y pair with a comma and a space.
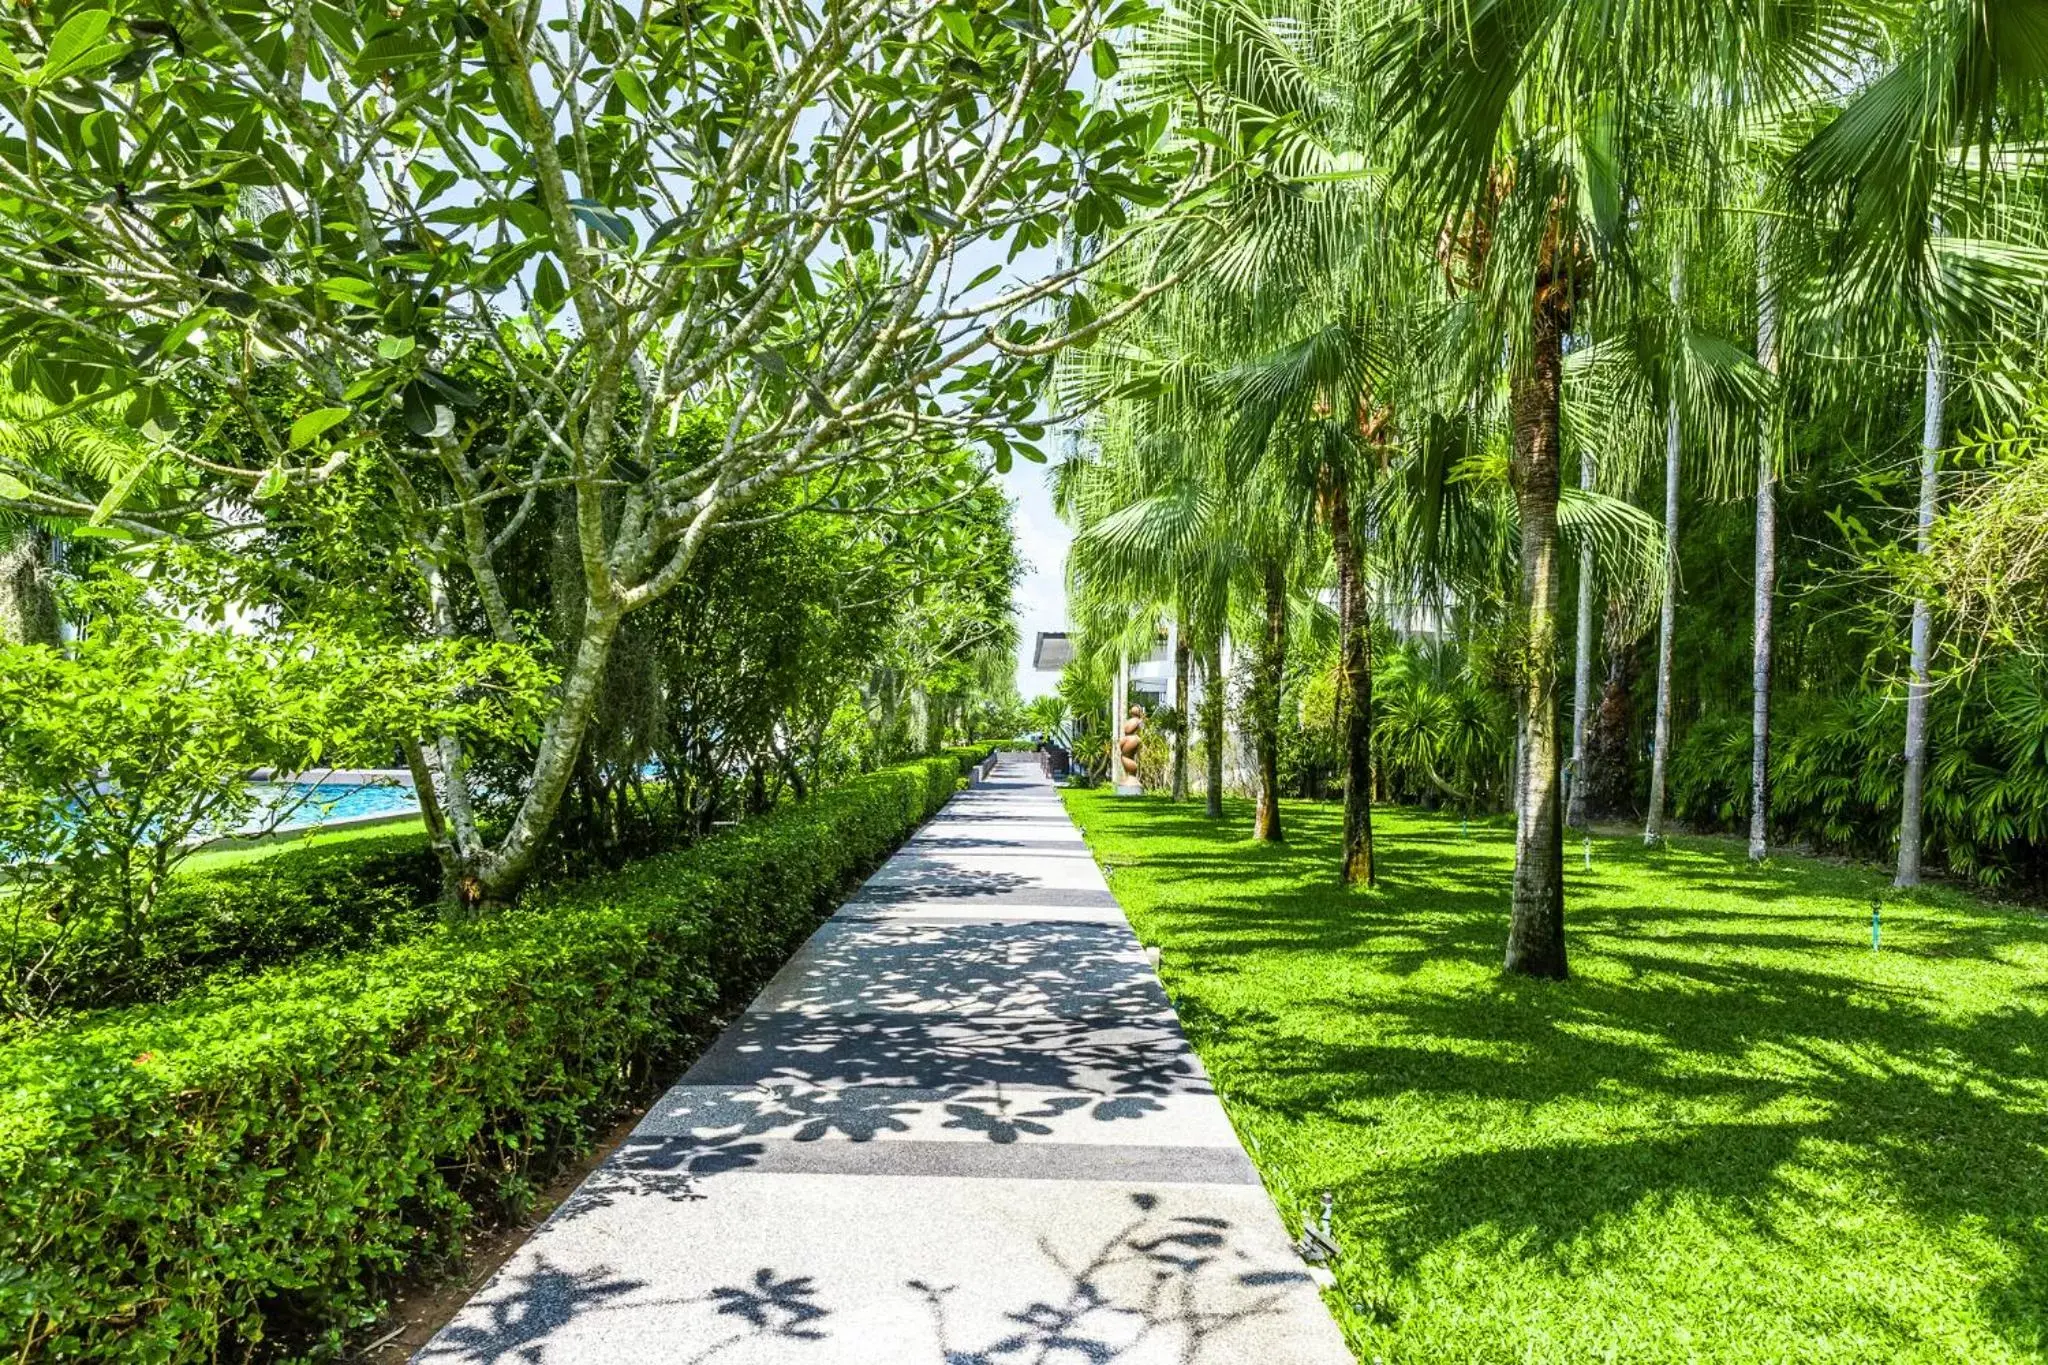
236, 854
1737, 1134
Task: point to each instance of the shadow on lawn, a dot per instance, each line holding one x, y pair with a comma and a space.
1876, 1072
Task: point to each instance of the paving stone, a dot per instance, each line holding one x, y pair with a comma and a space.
1003, 969
960, 1127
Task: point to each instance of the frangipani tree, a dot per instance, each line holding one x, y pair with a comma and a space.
791, 218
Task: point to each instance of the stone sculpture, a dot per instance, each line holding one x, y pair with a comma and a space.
1127, 750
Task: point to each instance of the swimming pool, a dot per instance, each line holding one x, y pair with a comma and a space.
300, 805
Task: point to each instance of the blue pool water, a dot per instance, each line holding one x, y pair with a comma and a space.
310, 803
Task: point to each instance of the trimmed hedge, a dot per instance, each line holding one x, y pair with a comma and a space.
969, 755
180, 1181
344, 891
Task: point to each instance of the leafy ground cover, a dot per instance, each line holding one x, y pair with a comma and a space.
1737, 1134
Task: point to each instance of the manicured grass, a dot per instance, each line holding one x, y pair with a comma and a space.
255, 851
1737, 1134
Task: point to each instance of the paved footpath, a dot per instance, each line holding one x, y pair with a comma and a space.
960, 1127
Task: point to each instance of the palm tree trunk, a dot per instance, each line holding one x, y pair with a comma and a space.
1213, 688
1354, 643
1582, 670
1266, 708
1766, 570
1355, 635
1180, 704
1667, 627
1536, 924
1912, 799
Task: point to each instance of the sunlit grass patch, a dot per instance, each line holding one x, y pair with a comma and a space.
1737, 1134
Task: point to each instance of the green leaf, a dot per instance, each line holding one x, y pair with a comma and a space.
13, 489
632, 87
609, 225
1104, 57
348, 289
667, 228
395, 348
117, 495
272, 484
548, 290
309, 428
75, 46
959, 25
407, 47
426, 414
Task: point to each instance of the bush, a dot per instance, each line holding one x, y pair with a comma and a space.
969, 755
122, 752
341, 890
181, 1181
1837, 773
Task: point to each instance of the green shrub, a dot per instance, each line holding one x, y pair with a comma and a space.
349, 891
1837, 772
123, 750
179, 1181
969, 755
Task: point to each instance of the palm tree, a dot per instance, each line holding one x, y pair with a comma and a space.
1929, 184
1712, 389
1341, 307
1667, 617
63, 475
1760, 677
1530, 133
1158, 526
1319, 293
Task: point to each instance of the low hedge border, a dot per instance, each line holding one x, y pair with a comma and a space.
186, 1180
360, 890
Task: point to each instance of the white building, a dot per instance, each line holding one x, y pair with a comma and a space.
1151, 678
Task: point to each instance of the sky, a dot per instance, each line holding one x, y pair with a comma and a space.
1041, 599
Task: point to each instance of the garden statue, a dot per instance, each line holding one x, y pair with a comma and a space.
1127, 752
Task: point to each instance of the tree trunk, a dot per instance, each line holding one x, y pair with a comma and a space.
1214, 690
1355, 646
1610, 758
1766, 570
1667, 626
1582, 670
28, 603
1266, 710
1912, 799
1181, 654
502, 874
1536, 924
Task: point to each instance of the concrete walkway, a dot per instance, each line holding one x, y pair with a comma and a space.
961, 1127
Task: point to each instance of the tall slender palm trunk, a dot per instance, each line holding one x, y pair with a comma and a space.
1266, 708
1355, 655
1766, 568
1181, 654
1667, 621
1667, 629
1536, 924
1912, 799
1214, 687
1582, 670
